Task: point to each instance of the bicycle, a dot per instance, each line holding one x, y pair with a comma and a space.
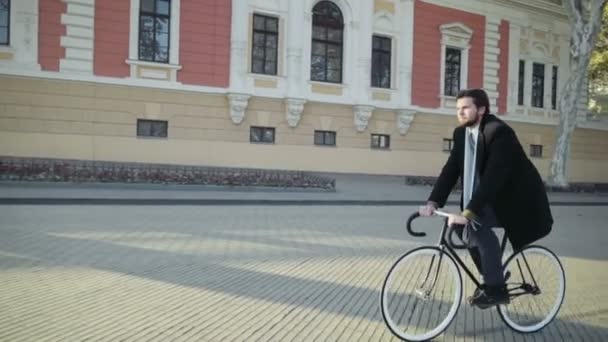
423, 289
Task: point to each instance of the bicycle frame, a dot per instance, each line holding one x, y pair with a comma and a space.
446, 246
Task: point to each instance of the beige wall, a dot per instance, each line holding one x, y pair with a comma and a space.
64, 119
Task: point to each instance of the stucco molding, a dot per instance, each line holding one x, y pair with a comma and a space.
294, 109
404, 120
362, 114
238, 106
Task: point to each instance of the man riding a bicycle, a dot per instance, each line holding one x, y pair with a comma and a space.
501, 188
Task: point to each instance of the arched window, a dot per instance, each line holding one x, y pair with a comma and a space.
327, 40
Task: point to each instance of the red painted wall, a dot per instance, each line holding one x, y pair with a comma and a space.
111, 38
204, 48
503, 71
50, 31
427, 50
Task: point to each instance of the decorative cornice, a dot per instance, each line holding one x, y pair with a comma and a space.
548, 7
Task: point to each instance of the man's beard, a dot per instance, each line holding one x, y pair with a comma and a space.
471, 122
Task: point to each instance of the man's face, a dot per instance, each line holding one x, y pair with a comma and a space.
468, 114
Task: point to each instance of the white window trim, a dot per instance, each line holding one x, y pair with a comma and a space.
546, 86
348, 34
456, 36
393, 76
281, 33
134, 61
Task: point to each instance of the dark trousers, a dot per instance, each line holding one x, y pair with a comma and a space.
485, 248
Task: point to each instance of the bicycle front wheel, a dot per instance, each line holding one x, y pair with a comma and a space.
537, 285
421, 294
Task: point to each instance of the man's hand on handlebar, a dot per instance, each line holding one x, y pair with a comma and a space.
428, 209
457, 219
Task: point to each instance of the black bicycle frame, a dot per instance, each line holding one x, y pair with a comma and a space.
446, 246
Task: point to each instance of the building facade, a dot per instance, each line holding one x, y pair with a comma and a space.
334, 86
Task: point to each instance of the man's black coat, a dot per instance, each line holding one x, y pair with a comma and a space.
508, 182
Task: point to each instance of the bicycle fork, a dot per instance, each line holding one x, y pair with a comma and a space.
423, 291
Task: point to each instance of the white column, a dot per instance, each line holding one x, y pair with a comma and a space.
362, 30
512, 93
547, 90
405, 18
238, 47
23, 40
528, 83
78, 42
295, 49
238, 98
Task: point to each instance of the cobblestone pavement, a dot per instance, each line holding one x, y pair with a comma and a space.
246, 273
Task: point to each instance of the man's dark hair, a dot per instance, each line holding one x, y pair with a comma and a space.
479, 96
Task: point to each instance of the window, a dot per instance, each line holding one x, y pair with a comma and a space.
382, 141
452, 72
5, 16
265, 45
327, 36
520, 83
154, 20
261, 134
538, 84
448, 144
554, 88
536, 151
327, 138
152, 128
381, 62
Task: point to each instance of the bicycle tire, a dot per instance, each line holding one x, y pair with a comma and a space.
444, 290
519, 314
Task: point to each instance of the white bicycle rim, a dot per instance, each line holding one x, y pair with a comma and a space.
451, 268
556, 266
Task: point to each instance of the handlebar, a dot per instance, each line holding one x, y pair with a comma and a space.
450, 229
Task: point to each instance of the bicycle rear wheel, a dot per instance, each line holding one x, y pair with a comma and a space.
421, 294
536, 286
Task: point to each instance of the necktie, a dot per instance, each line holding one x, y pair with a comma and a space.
469, 168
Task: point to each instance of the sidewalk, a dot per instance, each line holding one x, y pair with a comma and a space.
350, 189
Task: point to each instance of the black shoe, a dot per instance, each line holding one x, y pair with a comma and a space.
491, 296
478, 292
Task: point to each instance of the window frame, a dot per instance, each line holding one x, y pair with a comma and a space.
447, 80
450, 144
325, 134
379, 146
154, 16
265, 33
326, 43
536, 150
8, 25
521, 81
554, 73
538, 90
262, 129
165, 129
380, 52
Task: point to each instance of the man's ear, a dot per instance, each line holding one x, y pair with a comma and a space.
481, 110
